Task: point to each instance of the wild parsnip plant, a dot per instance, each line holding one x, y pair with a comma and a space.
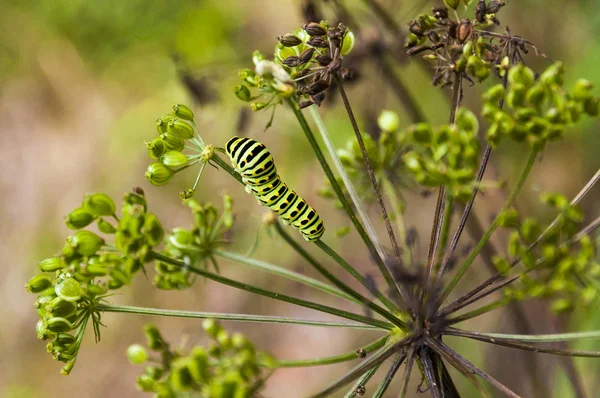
417, 306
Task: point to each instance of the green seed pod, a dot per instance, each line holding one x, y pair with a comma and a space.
342, 231
38, 283
453, 4
79, 218
181, 238
68, 289
553, 75
348, 43
257, 106
158, 174
388, 121
146, 383
421, 132
183, 112
153, 230
137, 354
61, 308
478, 68
516, 95
173, 142
224, 339
536, 95
181, 379
529, 230
582, 90
494, 94
212, 327
561, 305
509, 219
86, 243
105, 227
59, 325
461, 65
180, 129
174, 159
242, 92
99, 204
65, 339
96, 290
591, 106
466, 120
156, 147
523, 115
520, 74
199, 365
52, 264
155, 339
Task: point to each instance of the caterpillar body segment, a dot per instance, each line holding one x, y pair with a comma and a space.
254, 162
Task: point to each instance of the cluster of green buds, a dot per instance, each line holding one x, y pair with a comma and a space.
565, 265
447, 155
176, 132
538, 109
71, 284
385, 153
230, 367
462, 47
304, 63
196, 245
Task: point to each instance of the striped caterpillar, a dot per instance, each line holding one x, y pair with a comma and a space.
253, 161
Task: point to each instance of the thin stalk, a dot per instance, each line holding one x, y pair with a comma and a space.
226, 167
399, 217
382, 388
359, 277
280, 271
511, 198
480, 311
407, 371
229, 317
362, 381
447, 221
349, 356
273, 295
363, 149
381, 355
366, 221
338, 191
536, 338
430, 373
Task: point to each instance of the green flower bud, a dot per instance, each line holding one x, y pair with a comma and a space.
137, 354
174, 159
158, 174
529, 230
582, 90
86, 243
61, 308
388, 121
156, 147
180, 129
348, 43
224, 340
146, 383
99, 204
68, 289
466, 120
242, 92
172, 142
515, 97
38, 283
59, 325
536, 95
453, 4
520, 74
591, 106
181, 378
183, 112
199, 365
508, 219
155, 340
52, 264
553, 75
478, 68
79, 218
494, 94
257, 106
421, 132
212, 327
523, 115
105, 227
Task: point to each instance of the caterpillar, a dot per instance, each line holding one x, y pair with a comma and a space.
254, 162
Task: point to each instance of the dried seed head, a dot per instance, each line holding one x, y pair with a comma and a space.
337, 32
495, 6
318, 41
323, 60
289, 40
464, 31
316, 87
440, 12
480, 11
306, 55
314, 29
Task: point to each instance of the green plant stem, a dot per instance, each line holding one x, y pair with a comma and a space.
280, 271
346, 180
364, 379
349, 356
229, 317
399, 217
348, 290
374, 183
540, 338
446, 222
338, 191
270, 294
226, 167
511, 198
480, 311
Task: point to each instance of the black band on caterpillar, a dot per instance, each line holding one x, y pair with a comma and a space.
253, 161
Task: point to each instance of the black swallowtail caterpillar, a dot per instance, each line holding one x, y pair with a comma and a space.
253, 161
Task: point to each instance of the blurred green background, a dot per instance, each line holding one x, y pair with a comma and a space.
81, 84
